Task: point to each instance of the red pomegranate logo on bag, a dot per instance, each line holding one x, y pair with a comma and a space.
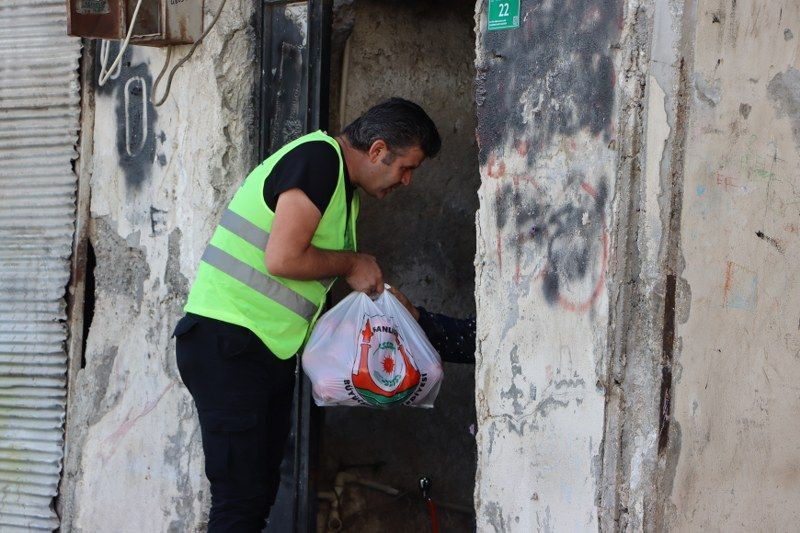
384, 373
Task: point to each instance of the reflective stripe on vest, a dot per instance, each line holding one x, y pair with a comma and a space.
241, 227
245, 229
257, 281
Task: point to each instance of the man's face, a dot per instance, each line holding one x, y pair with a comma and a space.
391, 169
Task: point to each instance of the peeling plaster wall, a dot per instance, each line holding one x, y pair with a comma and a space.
160, 177
662, 396
736, 395
637, 237
546, 131
647, 293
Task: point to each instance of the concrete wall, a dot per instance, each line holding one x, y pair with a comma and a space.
647, 292
644, 377
423, 237
695, 424
736, 395
635, 285
159, 179
546, 130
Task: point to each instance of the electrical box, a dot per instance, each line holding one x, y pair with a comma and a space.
158, 23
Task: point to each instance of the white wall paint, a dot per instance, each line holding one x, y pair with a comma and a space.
134, 461
736, 396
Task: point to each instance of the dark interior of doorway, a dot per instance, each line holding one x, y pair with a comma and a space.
424, 239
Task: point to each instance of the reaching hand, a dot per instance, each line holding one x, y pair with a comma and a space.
406, 302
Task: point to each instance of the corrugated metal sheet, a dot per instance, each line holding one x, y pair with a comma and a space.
39, 120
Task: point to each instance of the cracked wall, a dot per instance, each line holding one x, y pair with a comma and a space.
159, 179
735, 388
638, 335
682, 362
546, 132
648, 293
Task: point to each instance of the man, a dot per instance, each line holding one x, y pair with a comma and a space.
288, 232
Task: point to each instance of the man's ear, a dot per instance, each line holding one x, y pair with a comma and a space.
378, 151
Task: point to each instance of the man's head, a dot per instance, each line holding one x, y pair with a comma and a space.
392, 139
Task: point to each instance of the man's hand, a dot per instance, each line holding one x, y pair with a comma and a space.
365, 275
289, 252
406, 302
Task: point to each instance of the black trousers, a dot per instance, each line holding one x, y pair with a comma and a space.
243, 395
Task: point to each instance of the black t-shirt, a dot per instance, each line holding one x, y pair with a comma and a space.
312, 167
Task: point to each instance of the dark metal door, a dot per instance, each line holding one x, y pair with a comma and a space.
293, 100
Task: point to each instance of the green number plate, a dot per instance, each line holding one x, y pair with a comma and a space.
503, 14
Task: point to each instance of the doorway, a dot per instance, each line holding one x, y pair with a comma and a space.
424, 239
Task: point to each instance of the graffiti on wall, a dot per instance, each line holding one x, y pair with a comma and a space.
544, 125
525, 88
556, 233
740, 287
136, 142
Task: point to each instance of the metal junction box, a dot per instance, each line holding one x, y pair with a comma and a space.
159, 23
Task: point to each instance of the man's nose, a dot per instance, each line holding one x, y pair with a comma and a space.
406, 179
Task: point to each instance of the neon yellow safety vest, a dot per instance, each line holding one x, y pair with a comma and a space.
232, 282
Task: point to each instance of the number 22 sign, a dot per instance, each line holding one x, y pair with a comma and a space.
503, 14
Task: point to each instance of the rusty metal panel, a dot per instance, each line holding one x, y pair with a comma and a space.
39, 121
159, 22
180, 22
184, 20
99, 19
148, 23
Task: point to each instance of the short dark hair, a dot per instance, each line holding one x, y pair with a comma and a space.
399, 123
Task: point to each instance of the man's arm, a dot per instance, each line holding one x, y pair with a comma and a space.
289, 252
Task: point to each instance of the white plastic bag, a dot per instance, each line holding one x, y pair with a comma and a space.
371, 353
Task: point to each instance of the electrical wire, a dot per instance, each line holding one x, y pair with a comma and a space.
183, 60
163, 70
115, 65
104, 51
